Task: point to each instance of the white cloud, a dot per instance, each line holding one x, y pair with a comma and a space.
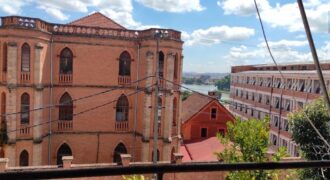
241, 55
214, 35
12, 7
55, 13
285, 15
284, 44
176, 6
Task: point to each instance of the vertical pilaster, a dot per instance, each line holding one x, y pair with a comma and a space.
11, 101
147, 109
38, 102
168, 108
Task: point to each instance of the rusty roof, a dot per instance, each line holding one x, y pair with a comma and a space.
97, 19
193, 104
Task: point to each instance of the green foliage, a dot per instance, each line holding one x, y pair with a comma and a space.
304, 135
134, 177
247, 141
224, 83
185, 95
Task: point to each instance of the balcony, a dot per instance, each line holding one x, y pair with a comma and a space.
124, 80
24, 130
121, 126
25, 77
64, 125
65, 78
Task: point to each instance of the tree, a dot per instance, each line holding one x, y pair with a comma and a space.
224, 83
311, 145
247, 141
185, 95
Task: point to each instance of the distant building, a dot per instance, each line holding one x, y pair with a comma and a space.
258, 90
203, 117
45, 63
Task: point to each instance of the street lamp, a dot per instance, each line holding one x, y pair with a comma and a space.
158, 35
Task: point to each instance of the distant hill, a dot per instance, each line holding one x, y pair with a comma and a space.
198, 75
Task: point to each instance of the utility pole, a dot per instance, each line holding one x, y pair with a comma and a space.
158, 35
314, 54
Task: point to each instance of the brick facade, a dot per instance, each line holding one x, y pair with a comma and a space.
94, 135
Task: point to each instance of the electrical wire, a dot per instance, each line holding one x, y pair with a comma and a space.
74, 100
81, 112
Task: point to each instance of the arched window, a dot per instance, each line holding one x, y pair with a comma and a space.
25, 108
25, 58
4, 58
174, 111
158, 155
176, 66
66, 59
122, 109
124, 64
3, 107
120, 149
24, 158
161, 64
160, 106
64, 150
66, 107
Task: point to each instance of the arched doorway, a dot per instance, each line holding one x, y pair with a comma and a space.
64, 150
120, 149
24, 158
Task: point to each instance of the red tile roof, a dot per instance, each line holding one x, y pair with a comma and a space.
202, 150
193, 104
97, 20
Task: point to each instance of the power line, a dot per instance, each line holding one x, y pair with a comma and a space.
84, 111
77, 99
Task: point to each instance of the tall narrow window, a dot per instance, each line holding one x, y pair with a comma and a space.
3, 107
66, 107
24, 158
122, 109
120, 149
161, 64
176, 66
25, 58
4, 58
66, 61
125, 64
213, 113
25, 107
174, 111
64, 150
160, 105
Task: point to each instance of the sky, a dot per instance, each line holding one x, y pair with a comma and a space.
217, 34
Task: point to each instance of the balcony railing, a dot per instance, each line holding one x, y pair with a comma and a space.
65, 78
159, 169
121, 126
67, 29
124, 80
64, 125
25, 77
24, 130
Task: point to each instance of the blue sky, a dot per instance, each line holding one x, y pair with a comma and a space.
217, 33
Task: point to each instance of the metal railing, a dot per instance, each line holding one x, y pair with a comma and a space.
159, 169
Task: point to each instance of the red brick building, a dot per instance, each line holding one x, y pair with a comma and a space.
260, 90
203, 117
43, 64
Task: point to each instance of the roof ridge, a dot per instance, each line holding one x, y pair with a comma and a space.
97, 12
